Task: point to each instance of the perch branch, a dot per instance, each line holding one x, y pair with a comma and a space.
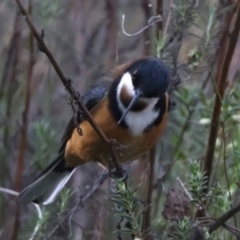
67, 83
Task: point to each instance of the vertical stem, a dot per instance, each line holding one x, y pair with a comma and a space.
229, 41
7, 65
152, 153
17, 184
8, 82
9, 210
111, 10
147, 8
24, 127
225, 169
159, 25
147, 216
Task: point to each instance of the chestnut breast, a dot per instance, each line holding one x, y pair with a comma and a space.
89, 147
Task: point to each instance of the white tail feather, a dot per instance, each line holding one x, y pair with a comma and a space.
51, 194
44, 189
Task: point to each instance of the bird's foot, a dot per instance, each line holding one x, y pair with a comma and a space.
116, 145
118, 174
77, 112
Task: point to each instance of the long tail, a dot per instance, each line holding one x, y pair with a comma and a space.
48, 184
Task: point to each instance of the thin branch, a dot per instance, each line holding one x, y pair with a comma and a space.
111, 35
148, 12
147, 215
233, 230
7, 90
10, 228
7, 65
20, 164
159, 11
225, 217
38, 210
184, 189
151, 22
168, 18
67, 83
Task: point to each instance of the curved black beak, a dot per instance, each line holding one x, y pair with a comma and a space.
134, 100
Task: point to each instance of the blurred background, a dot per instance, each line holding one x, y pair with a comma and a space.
86, 39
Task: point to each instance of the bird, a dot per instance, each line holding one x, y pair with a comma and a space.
130, 105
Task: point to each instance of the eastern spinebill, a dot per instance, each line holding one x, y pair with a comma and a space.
129, 105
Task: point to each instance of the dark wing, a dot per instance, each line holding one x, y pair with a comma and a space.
92, 97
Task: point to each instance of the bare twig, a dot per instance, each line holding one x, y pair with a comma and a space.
233, 230
225, 217
11, 225
151, 22
67, 83
147, 9
184, 189
168, 18
7, 90
159, 13
111, 34
7, 69
36, 206
17, 182
147, 215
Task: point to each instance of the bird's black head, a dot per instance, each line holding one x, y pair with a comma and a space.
149, 76
146, 78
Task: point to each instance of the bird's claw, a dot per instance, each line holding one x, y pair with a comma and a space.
121, 174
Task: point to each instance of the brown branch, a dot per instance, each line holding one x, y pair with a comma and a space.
11, 210
9, 82
69, 87
159, 25
147, 215
227, 49
147, 8
23, 132
6, 69
168, 18
111, 10
225, 217
18, 176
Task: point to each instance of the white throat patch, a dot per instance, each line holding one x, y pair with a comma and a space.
136, 121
